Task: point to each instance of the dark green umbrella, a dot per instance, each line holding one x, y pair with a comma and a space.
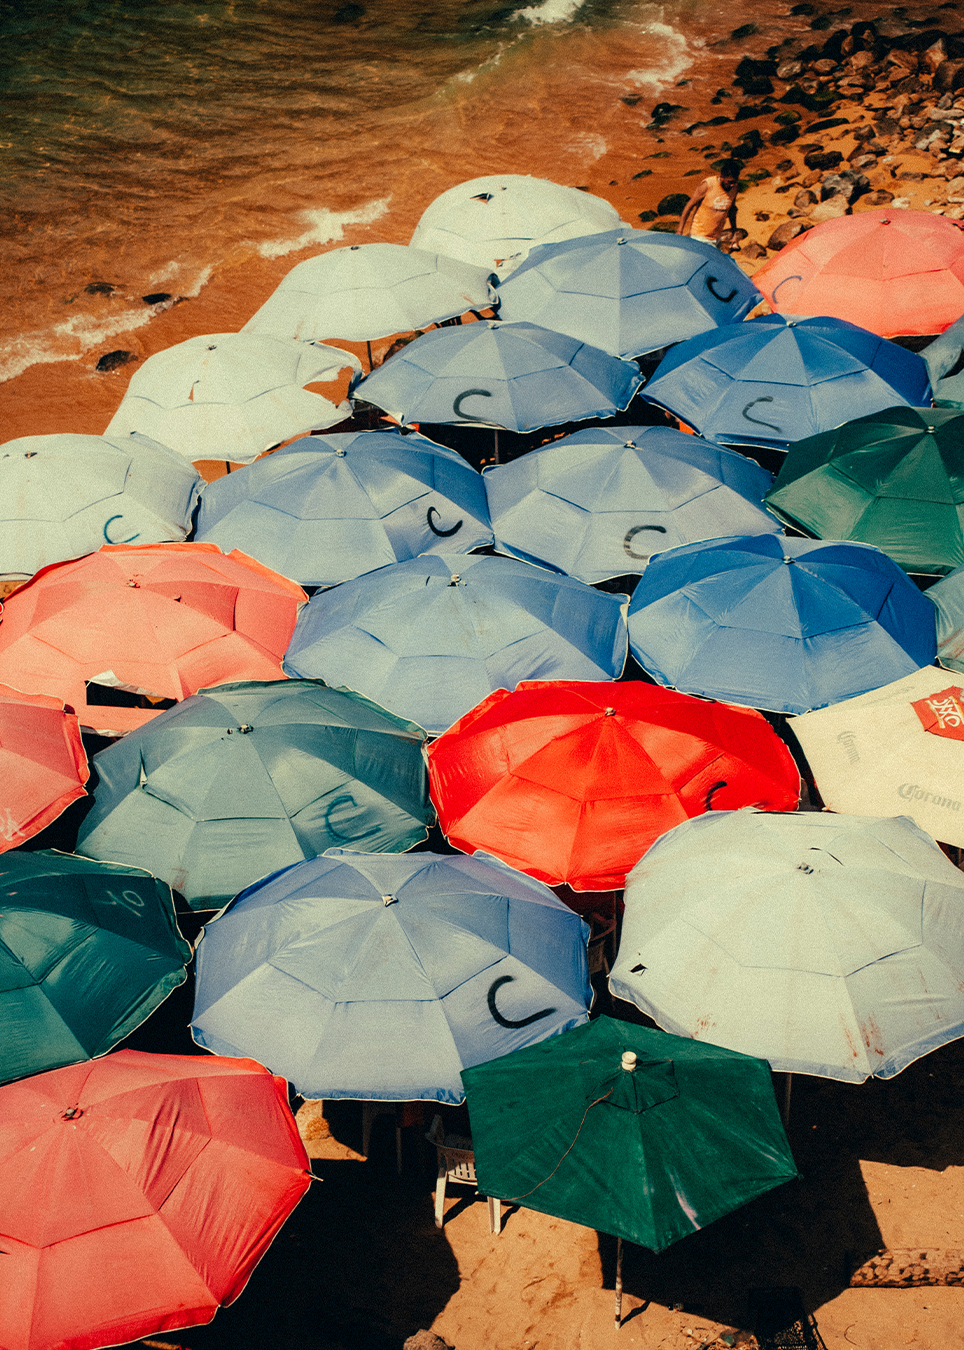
633, 1132
894, 479
87, 951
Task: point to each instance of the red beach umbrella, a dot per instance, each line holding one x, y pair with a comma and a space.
158, 619
43, 766
890, 270
137, 1194
571, 782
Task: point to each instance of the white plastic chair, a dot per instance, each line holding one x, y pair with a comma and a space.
456, 1162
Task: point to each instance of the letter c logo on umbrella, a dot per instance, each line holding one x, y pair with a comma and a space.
469, 393
494, 988
711, 287
442, 534
766, 398
108, 522
631, 535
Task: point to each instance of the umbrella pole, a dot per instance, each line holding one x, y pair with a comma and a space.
619, 1282
227, 466
495, 441
371, 365
787, 1085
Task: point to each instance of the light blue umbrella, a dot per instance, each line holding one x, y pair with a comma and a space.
431, 638
826, 944
382, 978
779, 378
327, 508
245, 778
778, 623
947, 596
629, 291
65, 495
515, 376
597, 504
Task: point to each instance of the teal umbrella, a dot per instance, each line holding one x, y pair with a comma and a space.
88, 950
246, 778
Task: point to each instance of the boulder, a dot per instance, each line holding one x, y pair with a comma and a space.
878, 198
949, 76
823, 159
673, 204
804, 199
935, 55
114, 360
837, 205
789, 70
753, 250
782, 235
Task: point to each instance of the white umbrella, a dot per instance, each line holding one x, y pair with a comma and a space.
369, 291
232, 395
894, 751
65, 495
828, 945
494, 221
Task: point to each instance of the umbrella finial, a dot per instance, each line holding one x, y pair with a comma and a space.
389, 899
610, 712
71, 1113
340, 452
629, 1060
456, 579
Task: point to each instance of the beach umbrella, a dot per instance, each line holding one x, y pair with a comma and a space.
369, 291
516, 376
493, 221
571, 783
894, 479
43, 764
160, 620
430, 638
894, 751
780, 378
89, 950
778, 623
892, 271
597, 504
947, 596
629, 291
828, 945
232, 395
138, 1193
635, 1133
331, 507
249, 777
381, 978
63, 496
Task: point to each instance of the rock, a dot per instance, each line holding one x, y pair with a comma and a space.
782, 235
673, 204
823, 159
878, 198
861, 60
949, 76
837, 205
100, 288
784, 165
865, 162
784, 135
935, 55
865, 133
903, 60
426, 1340
753, 250
114, 360
955, 188
804, 199
157, 297
789, 70
825, 66
846, 182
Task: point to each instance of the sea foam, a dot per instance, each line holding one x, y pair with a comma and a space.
550, 11
324, 227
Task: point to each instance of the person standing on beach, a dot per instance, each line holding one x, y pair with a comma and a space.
712, 206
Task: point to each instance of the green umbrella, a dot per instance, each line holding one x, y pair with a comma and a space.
633, 1132
87, 951
894, 479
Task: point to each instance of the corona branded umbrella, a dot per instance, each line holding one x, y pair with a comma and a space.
494, 221
572, 782
627, 1130
232, 395
63, 496
88, 950
894, 479
43, 764
892, 271
369, 291
430, 638
328, 508
511, 375
779, 623
895, 751
825, 944
597, 504
138, 1193
159, 619
245, 778
381, 978
779, 378
629, 291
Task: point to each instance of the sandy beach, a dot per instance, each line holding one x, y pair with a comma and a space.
360, 1265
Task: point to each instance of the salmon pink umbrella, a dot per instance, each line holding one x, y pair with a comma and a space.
160, 619
138, 1194
571, 782
890, 271
43, 767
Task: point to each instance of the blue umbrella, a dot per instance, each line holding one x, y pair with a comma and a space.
780, 378
629, 291
598, 503
778, 623
327, 508
514, 376
429, 639
245, 778
382, 978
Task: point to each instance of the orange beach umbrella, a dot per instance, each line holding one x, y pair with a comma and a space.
43, 766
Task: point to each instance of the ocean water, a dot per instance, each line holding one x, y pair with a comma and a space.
144, 144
